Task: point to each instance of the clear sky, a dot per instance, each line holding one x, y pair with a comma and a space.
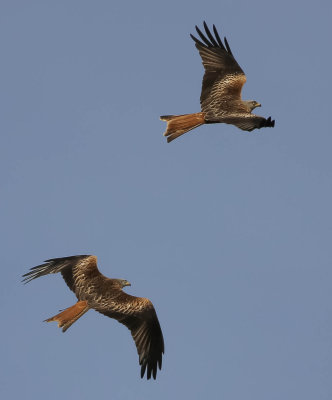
227, 232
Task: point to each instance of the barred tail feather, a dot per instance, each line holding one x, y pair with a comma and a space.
177, 125
70, 315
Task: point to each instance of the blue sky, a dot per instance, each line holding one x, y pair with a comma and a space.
227, 232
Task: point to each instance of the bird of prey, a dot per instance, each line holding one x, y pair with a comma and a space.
95, 291
221, 100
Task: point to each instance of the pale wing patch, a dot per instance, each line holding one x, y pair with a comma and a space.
230, 85
136, 305
84, 277
92, 260
223, 92
87, 263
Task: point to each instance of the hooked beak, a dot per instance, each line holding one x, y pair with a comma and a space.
258, 105
127, 283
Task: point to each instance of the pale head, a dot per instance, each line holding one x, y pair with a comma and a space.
251, 104
120, 283
124, 282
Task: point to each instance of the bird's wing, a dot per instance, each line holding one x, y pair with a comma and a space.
139, 316
223, 78
248, 122
72, 269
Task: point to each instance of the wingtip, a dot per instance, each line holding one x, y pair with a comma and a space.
270, 122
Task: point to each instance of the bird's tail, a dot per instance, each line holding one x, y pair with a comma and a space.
70, 315
177, 125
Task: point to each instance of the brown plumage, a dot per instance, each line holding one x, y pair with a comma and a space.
95, 291
221, 100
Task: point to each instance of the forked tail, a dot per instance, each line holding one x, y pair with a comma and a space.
177, 125
70, 315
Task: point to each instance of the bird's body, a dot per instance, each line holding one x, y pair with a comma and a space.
221, 100
95, 291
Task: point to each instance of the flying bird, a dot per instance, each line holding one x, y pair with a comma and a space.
95, 291
221, 100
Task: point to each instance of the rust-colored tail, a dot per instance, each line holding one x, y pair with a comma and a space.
70, 315
177, 125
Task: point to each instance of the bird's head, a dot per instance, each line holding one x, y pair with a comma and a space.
251, 104
124, 283
119, 283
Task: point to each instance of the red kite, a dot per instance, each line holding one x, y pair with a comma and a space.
221, 100
95, 291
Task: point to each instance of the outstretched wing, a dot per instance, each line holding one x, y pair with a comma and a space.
223, 78
139, 316
71, 268
248, 122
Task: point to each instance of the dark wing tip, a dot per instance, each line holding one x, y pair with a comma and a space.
150, 364
227, 46
69, 258
148, 373
209, 40
51, 266
35, 272
210, 36
202, 36
216, 34
150, 368
268, 123
198, 42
